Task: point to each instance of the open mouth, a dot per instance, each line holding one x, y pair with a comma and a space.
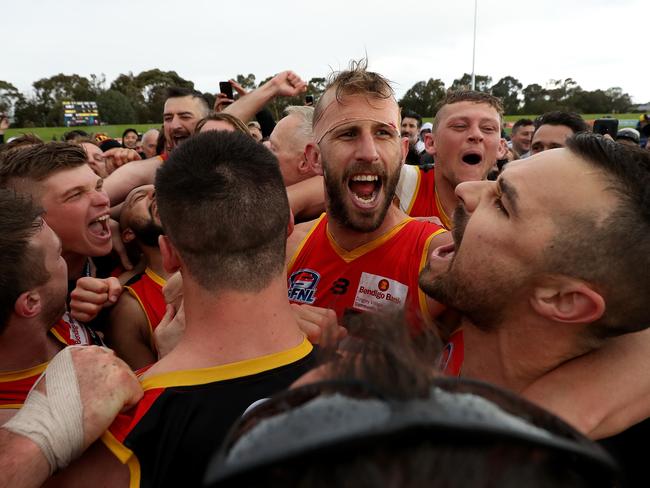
472, 158
99, 227
365, 189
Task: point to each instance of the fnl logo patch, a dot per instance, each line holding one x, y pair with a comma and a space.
302, 286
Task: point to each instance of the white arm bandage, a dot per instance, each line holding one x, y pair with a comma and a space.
54, 421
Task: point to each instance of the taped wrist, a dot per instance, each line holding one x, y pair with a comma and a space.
54, 421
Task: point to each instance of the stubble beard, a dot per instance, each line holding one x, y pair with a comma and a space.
343, 214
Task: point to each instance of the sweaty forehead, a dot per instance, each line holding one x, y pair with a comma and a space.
182, 104
351, 108
468, 109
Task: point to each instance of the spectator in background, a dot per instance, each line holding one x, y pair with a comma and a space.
255, 130
643, 126
628, 136
521, 137
553, 128
129, 138
4, 125
410, 128
74, 135
149, 142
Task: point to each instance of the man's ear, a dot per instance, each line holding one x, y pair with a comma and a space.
404, 142
170, 258
429, 144
312, 153
127, 235
28, 304
568, 300
303, 165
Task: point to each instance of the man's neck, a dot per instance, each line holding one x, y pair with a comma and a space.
514, 355
350, 239
446, 194
25, 344
76, 264
225, 326
153, 260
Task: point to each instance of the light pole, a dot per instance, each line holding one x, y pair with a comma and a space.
474, 46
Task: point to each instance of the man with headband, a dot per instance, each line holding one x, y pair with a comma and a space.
364, 253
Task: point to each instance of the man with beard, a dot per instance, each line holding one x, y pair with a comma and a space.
464, 143
138, 312
549, 266
34, 325
363, 254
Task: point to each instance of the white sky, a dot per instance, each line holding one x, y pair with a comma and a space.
594, 42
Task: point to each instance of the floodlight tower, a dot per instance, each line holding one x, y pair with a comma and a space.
474, 46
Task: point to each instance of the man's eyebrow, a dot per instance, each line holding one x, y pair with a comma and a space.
73, 190
509, 191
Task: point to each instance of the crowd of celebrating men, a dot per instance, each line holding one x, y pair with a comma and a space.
345, 296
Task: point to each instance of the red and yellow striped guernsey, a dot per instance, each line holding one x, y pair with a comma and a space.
378, 276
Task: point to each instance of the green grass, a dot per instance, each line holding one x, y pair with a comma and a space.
47, 133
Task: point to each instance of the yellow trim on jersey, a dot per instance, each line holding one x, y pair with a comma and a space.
422, 298
125, 456
12, 406
23, 373
229, 371
444, 218
155, 277
349, 256
304, 241
56, 334
415, 193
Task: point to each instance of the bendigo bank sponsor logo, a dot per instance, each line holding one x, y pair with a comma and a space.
302, 286
380, 294
383, 285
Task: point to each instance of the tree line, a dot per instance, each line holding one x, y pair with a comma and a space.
139, 98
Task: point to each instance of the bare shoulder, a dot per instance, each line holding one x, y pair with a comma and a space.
299, 233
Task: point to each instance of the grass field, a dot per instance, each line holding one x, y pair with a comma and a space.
47, 133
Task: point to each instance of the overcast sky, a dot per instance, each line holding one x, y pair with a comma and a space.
594, 42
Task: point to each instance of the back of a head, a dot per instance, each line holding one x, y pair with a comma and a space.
21, 267
614, 254
223, 205
472, 96
356, 80
569, 119
383, 418
21, 167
